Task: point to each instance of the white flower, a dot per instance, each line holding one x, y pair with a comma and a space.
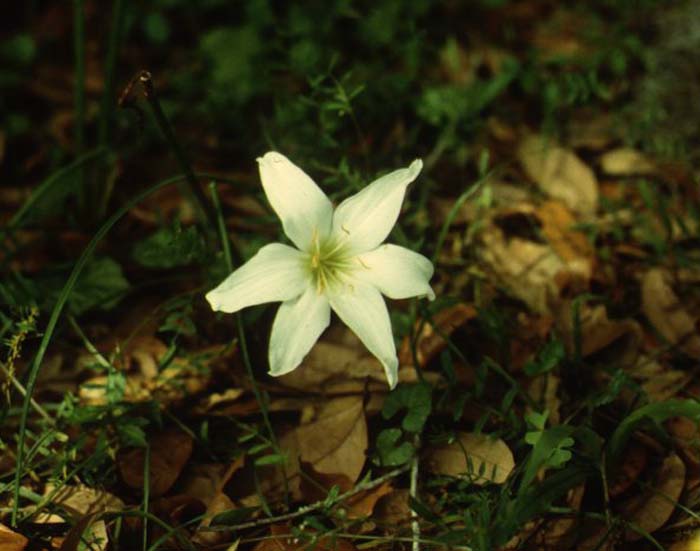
339, 263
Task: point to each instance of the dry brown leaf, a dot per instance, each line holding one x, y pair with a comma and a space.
315, 486
182, 377
619, 338
625, 161
169, 452
558, 229
660, 382
688, 542
79, 500
340, 364
635, 461
335, 442
393, 510
559, 173
667, 314
11, 541
362, 505
652, 508
526, 269
282, 540
431, 340
477, 457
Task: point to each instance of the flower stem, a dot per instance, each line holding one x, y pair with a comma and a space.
226, 246
146, 81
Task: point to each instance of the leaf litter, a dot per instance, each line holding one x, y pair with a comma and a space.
567, 305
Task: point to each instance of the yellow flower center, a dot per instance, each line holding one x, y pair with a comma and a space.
328, 262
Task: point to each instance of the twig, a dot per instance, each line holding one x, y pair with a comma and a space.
313, 506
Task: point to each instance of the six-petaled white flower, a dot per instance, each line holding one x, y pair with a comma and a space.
339, 263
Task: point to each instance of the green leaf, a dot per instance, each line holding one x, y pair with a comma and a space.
548, 450
391, 455
169, 248
415, 399
156, 28
272, 459
100, 285
233, 516
656, 413
131, 434
548, 358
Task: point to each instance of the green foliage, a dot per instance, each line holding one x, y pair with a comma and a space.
170, 247
100, 285
391, 452
549, 446
654, 413
233, 54
547, 359
441, 105
415, 399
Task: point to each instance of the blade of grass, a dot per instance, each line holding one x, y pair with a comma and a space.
53, 321
47, 184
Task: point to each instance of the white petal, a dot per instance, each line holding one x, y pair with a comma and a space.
297, 326
274, 274
301, 206
396, 271
362, 309
366, 218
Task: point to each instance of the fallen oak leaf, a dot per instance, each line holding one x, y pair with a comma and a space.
169, 452
11, 541
666, 312
625, 161
335, 442
651, 509
559, 173
431, 339
477, 457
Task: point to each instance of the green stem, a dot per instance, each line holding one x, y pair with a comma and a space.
146, 80
226, 245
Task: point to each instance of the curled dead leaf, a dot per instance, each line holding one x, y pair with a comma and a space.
619, 339
529, 271
335, 441
11, 541
667, 313
431, 340
340, 364
477, 457
169, 452
625, 161
651, 509
559, 173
